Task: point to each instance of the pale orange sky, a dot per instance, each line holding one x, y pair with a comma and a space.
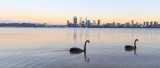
59, 11
62, 18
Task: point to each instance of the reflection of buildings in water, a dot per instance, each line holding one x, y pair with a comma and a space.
85, 57
130, 50
98, 34
81, 34
87, 33
146, 34
132, 35
94, 35
114, 36
75, 35
68, 34
150, 36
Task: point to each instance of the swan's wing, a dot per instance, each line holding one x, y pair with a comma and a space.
128, 45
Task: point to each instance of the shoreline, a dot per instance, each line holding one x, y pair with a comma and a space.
83, 27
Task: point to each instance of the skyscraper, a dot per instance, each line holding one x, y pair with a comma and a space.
94, 22
80, 21
144, 25
68, 23
99, 22
136, 23
132, 23
155, 24
147, 24
114, 24
151, 24
83, 24
75, 21
86, 21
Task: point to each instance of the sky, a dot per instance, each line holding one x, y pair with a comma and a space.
59, 11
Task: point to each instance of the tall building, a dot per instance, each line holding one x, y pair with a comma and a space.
80, 21
68, 23
88, 23
75, 21
128, 24
118, 24
136, 24
151, 24
147, 24
132, 23
114, 23
144, 25
99, 22
94, 22
155, 24
83, 24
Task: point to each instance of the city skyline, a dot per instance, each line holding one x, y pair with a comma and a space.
98, 24
58, 11
81, 19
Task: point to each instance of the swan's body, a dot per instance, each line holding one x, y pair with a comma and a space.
129, 47
75, 50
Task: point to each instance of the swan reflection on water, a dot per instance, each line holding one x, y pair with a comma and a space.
130, 50
85, 57
76, 50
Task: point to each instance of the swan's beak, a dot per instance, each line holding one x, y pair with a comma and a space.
88, 41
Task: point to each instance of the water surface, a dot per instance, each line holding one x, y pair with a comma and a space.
49, 48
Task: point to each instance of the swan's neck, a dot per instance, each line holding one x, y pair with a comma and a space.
85, 46
135, 44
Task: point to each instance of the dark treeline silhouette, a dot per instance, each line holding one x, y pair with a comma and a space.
20, 25
26, 25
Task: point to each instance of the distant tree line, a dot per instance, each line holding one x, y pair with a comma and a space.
23, 25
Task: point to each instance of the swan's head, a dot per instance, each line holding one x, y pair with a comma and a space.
87, 41
136, 39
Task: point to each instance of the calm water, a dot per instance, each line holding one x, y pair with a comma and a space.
49, 48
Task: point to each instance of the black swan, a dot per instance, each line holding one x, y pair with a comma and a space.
78, 50
129, 47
